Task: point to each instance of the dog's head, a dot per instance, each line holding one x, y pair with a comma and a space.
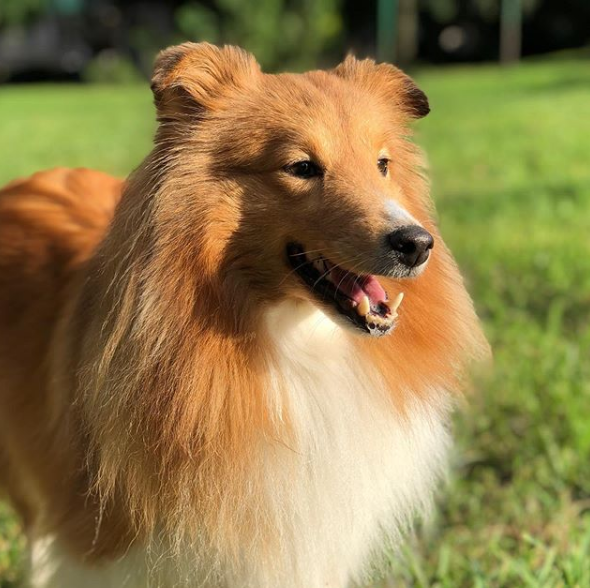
296, 185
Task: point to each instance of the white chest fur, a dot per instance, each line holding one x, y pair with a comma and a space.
357, 472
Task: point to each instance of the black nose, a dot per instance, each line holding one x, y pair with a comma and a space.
412, 243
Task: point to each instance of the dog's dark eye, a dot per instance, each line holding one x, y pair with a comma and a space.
304, 169
383, 165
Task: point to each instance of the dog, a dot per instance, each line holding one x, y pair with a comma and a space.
208, 376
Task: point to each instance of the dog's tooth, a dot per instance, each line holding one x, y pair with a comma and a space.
364, 306
393, 306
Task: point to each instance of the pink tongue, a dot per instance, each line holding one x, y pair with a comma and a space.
356, 287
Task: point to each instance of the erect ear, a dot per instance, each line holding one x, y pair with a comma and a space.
199, 75
386, 80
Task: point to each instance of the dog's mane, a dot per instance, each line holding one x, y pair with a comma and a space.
171, 390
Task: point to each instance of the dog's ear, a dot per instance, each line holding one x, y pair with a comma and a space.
195, 76
386, 80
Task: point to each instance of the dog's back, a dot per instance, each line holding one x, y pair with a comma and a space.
50, 224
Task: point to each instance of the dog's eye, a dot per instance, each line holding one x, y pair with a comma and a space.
383, 165
304, 169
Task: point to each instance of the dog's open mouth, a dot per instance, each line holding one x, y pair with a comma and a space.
359, 298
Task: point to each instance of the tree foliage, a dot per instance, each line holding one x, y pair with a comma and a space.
281, 33
15, 12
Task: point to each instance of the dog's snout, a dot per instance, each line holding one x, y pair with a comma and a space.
412, 244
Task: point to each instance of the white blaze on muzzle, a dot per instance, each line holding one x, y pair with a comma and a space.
397, 215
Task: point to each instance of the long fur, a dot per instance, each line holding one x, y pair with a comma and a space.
175, 408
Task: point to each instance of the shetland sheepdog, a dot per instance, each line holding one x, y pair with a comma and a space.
208, 376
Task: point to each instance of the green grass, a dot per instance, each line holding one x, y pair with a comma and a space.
509, 152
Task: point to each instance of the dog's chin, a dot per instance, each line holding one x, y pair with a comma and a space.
356, 300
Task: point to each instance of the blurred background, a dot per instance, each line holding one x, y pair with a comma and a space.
115, 40
508, 144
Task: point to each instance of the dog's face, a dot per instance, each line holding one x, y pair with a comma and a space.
313, 189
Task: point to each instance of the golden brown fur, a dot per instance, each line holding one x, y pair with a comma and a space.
51, 224
133, 361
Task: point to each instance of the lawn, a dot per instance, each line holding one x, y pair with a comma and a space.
509, 152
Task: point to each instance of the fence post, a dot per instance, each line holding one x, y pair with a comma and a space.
387, 14
510, 31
